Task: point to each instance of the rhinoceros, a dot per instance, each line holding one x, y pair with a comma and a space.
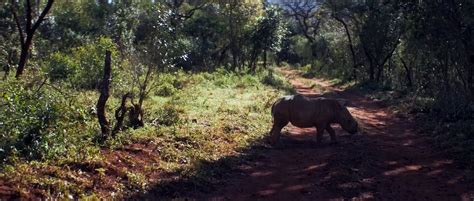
306, 112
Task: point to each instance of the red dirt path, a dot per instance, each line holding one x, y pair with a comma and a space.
388, 161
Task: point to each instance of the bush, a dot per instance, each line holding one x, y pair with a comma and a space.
83, 67
166, 89
457, 138
36, 124
61, 67
167, 115
170, 83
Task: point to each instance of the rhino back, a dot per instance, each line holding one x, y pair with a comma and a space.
326, 110
305, 112
298, 109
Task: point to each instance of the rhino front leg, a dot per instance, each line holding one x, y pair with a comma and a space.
319, 134
278, 124
331, 133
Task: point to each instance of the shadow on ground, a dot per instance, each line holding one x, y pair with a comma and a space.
388, 161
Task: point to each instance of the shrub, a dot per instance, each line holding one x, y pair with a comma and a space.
167, 115
83, 67
61, 67
36, 123
169, 83
166, 89
457, 139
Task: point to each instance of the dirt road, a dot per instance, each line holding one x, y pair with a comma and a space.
389, 161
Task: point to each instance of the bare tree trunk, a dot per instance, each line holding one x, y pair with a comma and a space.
380, 69
120, 114
351, 46
371, 63
252, 60
104, 96
136, 111
408, 73
25, 48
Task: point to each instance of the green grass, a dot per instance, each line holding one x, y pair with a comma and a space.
191, 120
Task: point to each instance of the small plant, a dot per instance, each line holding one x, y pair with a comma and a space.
137, 181
168, 115
165, 89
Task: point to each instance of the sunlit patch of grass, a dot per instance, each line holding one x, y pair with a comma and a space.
193, 120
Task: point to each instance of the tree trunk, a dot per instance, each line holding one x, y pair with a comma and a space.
26, 34
371, 71
371, 63
120, 114
265, 58
25, 48
135, 115
104, 96
351, 46
408, 73
379, 72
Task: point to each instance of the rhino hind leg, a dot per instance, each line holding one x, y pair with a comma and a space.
331, 133
319, 134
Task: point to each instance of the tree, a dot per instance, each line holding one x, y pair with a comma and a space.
340, 11
27, 32
267, 35
239, 17
104, 96
8, 51
381, 27
305, 14
440, 38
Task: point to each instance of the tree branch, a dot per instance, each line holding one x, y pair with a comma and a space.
17, 22
42, 15
28, 17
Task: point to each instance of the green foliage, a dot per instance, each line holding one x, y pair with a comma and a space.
206, 29
38, 123
268, 33
166, 115
277, 82
169, 83
8, 38
61, 66
83, 68
137, 181
455, 138
75, 23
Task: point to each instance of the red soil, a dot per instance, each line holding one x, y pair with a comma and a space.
388, 161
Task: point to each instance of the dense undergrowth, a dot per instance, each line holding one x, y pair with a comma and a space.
449, 121
49, 145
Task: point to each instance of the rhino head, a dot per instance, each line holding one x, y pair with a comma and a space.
347, 121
